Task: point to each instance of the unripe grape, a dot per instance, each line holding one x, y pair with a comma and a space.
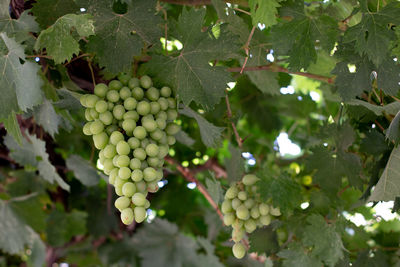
129, 125
249, 203
255, 212
152, 187
242, 195
157, 134
236, 203
94, 114
130, 103
147, 204
131, 115
171, 140
163, 151
125, 93
100, 140
141, 186
100, 90
115, 85
86, 128
108, 165
229, 218
133, 142
163, 103
238, 250
171, 103
275, 211
118, 191
113, 175
88, 117
162, 115
115, 137
124, 173
265, 219
138, 93
143, 108
152, 150
110, 106
110, 129
138, 199
145, 81
149, 125
140, 214
118, 112
161, 123
133, 82
232, 192
172, 114
101, 106
106, 117
114, 159
153, 161
113, 96
91, 101
128, 189
127, 216
154, 107
137, 175
122, 161
165, 91
237, 234
122, 203
149, 174
242, 212
96, 127
264, 209
123, 148
226, 206
153, 94
144, 165
135, 164
82, 99
139, 153
238, 224
250, 225
140, 132
124, 78
119, 182
249, 179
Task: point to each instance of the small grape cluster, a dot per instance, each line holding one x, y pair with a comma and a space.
244, 209
132, 125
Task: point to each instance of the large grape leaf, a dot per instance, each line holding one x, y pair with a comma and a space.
264, 11
59, 40
18, 28
48, 11
393, 132
46, 116
83, 170
188, 71
388, 186
214, 187
298, 256
325, 241
12, 127
210, 134
33, 153
235, 164
120, 37
207, 259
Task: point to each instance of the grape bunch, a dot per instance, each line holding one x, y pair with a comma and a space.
244, 210
132, 124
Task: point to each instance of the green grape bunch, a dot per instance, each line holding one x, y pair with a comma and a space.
244, 210
132, 124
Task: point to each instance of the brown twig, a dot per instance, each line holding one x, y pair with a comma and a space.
243, 11
239, 140
247, 48
92, 73
277, 68
203, 2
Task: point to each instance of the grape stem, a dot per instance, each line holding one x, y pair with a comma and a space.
239, 140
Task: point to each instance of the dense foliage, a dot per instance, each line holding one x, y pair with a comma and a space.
246, 75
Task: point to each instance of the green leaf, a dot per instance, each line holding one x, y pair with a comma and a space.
12, 127
389, 77
83, 170
183, 138
297, 256
120, 37
210, 134
33, 153
61, 226
163, 239
325, 241
17, 28
388, 186
46, 116
374, 108
14, 78
284, 192
188, 71
264, 240
207, 259
393, 132
31, 212
234, 164
214, 187
264, 11
58, 39
48, 11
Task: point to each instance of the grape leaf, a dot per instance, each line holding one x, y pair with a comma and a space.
393, 132
263, 240
48, 11
235, 164
183, 138
83, 170
264, 11
120, 37
325, 241
12, 127
46, 116
214, 187
163, 239
297, 256
388, 186
208, 259
210, 134
33, 153
58, 39
284, 192
17, 28
389, 76
188, 71
31, 211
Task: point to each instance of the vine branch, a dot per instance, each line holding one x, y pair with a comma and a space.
239, 140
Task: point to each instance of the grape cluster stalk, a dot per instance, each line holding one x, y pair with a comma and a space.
244, 210
132, 124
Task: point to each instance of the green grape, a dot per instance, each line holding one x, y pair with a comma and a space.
110, 129
250, 225
118, 112
171, 140
238, 224
115, 137
137, 175
264, 209
242, 212
100, 90
149, 174
140, 132
101, 156
119, 182
163, 103
149, 125
100, 140
96, 127
82, 99
124, 173
138, 199
154, 108
165, 91
143, 108
159, 174
152, 187
118, 191
125, 93
113, 96
108, 165
88, 117
91, 101
242, 195
238, 250
238, 234
147, 204
93, 113
122, 203
133, 142
139, 153
106, 117
157, 135
86, 128
249, 203
138, 93
152, 150
141, 186
172, 129
153, 161
145, 82
127, 216
123, 148
275, 211
135, 164
133, 82
140, 214
115, 158
131, 115
229, 218
226, 206
164, 139
113, 175
124, 78
236, 203
115, 85
255, 212
130, 103
162, 115
129, 189
163, 151
232, 192
122, 161
101, 106
265, 219
153, 94
144, 165
111, 179
249, 179
110, 106
171, 103
129, 125
172, 114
